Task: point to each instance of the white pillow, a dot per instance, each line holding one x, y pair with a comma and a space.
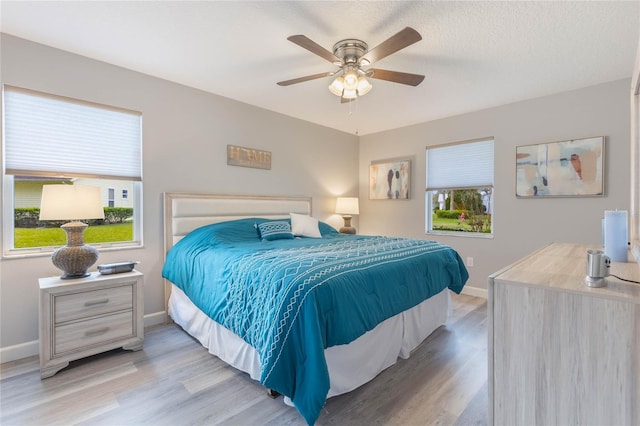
304, 226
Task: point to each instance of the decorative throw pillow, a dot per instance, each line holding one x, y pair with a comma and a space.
304, 226
277, 230
326, 229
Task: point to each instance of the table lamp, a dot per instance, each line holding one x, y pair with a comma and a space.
347, 206
74, 203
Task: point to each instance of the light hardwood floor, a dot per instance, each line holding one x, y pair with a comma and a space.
175, 381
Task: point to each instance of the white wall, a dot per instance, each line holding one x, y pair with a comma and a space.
185, 133
520, 225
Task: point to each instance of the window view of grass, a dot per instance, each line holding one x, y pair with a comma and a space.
47, 237
469, 212
441, 224
30, 232
479, 223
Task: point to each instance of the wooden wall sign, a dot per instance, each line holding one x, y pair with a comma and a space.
248, 157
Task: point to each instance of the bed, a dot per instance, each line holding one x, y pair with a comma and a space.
310, 315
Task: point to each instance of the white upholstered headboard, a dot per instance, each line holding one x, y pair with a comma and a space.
185, 212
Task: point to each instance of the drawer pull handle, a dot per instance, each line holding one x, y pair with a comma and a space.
96, 302
96, 332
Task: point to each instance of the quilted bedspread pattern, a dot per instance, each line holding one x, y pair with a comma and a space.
291, 299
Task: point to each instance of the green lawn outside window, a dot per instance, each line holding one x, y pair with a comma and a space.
47, 237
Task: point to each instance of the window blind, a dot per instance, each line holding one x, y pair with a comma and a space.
461, 165
48, 135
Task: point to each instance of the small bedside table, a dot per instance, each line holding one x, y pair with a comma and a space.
86, 316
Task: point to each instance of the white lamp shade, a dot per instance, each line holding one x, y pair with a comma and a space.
71, 202
364, 86
347, 205
337, 86
350, 80
349, 94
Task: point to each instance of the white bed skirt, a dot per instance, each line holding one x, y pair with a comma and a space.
350, 366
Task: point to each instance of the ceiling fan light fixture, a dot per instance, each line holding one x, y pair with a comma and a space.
350, 85
337, 86
351, 80
350, 93
364, 86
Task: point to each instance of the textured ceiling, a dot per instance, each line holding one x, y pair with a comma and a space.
475, 55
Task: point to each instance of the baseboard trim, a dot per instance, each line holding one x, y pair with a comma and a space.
19, 351
155, 318
27, 349
475, 291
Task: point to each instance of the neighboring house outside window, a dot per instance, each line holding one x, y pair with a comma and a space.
85, 144
28, 190
111, 198
459, 188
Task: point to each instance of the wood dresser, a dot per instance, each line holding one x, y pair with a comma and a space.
561, 352
85, 316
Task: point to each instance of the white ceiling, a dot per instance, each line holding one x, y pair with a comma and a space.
475, 55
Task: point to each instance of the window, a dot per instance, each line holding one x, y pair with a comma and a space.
53, 139
111, 197
125, 194
459, 185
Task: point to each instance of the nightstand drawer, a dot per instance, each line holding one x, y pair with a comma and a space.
74, 306
82, 334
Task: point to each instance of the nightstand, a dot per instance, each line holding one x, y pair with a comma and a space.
86, 316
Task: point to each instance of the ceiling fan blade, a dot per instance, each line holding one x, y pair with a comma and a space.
397, 77
404, 38
306, 78
313, 47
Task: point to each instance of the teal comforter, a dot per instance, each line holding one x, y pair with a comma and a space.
291, 299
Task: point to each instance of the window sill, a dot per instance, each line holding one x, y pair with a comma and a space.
462, 234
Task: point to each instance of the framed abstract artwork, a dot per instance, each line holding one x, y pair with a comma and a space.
390, 180
570, 168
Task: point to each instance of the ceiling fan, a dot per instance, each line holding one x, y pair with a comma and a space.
351, 55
